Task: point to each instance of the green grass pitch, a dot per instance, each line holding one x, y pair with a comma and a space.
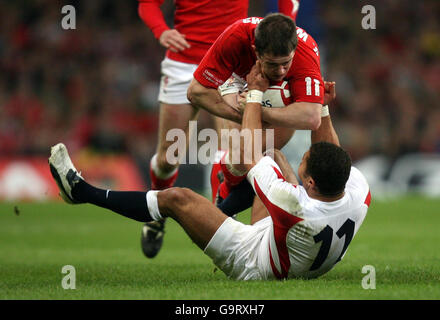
400, 238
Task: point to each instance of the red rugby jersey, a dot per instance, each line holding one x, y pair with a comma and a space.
202, 21
233, 53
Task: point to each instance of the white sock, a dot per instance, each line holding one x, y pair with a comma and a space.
159, 173
153, 207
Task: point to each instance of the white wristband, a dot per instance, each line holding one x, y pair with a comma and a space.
324, 111
254, 96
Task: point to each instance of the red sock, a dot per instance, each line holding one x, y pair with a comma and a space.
216, 173
161, 184
231, 179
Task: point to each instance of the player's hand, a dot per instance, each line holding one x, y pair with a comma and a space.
329, 92
173, 40
256, 79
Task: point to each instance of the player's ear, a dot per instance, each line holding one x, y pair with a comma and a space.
310, 183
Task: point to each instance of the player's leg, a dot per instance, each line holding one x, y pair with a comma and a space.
163, 174
216, 174
229, 92
197, 215
226, 241
240, 198
175, 113
171, 116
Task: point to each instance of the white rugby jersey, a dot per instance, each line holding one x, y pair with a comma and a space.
307, 237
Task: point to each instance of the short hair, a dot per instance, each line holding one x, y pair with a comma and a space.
329, 165
276, 35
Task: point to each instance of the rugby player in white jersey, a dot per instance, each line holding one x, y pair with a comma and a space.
302, 230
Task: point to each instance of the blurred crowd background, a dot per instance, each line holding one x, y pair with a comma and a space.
388, 79
96, 86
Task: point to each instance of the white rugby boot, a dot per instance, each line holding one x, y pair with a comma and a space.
63, 172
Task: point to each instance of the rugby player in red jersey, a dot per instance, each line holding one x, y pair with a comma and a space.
286, 54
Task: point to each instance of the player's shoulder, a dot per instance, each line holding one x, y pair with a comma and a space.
246, 25
306, 42
242, 28
304, 38
357, 177
357, 186
307, 56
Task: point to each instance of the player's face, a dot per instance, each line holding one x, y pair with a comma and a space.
275, 68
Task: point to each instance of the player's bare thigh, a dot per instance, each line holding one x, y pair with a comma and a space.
197, 215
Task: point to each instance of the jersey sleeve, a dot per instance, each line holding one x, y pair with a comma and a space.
221, 59
150, 13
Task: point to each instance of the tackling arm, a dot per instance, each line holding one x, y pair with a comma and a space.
298, 115
210, 100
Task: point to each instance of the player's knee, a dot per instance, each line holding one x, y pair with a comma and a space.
162, 161
177, 197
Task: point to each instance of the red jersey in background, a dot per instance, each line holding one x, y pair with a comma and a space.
201, 21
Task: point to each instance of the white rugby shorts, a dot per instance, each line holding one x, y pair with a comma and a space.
240, 250
175, 80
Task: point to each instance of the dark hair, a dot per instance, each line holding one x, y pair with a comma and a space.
329, 165
276, 35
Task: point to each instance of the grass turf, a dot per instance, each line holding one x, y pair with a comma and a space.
399, 238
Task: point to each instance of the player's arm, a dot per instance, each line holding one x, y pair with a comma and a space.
298, 115
326, 131
307, 90
151, 15
285, 167
252, 116
209, 99
289, 7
